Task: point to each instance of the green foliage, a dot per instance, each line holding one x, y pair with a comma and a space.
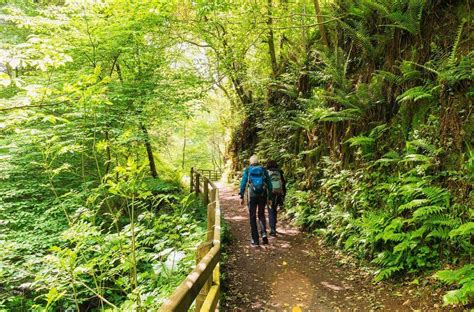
372, 128
464, 278
89, 95
416, 94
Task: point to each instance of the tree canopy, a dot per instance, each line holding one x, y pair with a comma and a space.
106, 105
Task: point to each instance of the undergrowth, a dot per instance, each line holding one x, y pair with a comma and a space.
129, 257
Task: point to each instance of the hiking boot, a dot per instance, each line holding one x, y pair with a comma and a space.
265, 240
273, 233
254, 244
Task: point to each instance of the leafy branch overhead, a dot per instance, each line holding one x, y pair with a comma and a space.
105, 106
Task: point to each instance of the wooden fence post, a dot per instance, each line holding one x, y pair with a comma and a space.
202, 250
206, 192
191, 180
202, 285
211, 216
198, 175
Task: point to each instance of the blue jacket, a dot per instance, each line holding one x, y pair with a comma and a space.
245, 178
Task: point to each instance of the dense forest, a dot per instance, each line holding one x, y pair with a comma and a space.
106, 105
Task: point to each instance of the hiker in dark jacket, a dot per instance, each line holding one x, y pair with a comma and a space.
259, 189
278, 193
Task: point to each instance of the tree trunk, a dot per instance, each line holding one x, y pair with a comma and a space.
149, 152
184, 146
320, 20
271, 43
109, 153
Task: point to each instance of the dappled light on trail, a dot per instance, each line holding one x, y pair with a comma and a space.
293, 272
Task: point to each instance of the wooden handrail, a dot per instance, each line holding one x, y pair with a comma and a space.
202, 285
212, 175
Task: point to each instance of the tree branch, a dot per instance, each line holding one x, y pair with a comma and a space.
31, 106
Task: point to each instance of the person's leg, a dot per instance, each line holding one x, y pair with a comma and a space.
261, 218
253, 220
278, 206
272, 215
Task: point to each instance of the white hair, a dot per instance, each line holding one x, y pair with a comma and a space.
254, 160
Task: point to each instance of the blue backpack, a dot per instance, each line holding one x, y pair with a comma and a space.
256, 181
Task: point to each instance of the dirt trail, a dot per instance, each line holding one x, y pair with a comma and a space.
294, 271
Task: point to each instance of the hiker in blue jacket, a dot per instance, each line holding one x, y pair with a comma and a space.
259, 190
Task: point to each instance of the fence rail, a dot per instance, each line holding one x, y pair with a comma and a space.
202, 285
213, 175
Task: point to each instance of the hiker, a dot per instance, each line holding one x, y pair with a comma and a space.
278, 193
259, 189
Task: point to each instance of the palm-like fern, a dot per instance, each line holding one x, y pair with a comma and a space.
418, 93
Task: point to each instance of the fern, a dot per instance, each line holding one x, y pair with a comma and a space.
455, 74
437, 195
418, 233
380, 8
289, 90
343, 115
445, 220
403, 21
418, 93
407, 19
403, 245
466, 229
386, 273
464, 277
378, 131
358, 34
361, 141
425, 211
413, 204
409, 72
391, 77
452, 56
440, 232
390, 157
383, 258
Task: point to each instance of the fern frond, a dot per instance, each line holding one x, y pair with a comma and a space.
390, 77
452, 276
452, 56
389, 157
386, 273
427, 211
404, 245
343, 115
418, 233
440, 232
413, 204
416, 94
464, 277
380, 8
466, 229
409, 72
437, 195
378, 131
360, 141
445, 220
417, 158
358, 35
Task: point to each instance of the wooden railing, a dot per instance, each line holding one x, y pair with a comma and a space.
202, 285
213, 175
